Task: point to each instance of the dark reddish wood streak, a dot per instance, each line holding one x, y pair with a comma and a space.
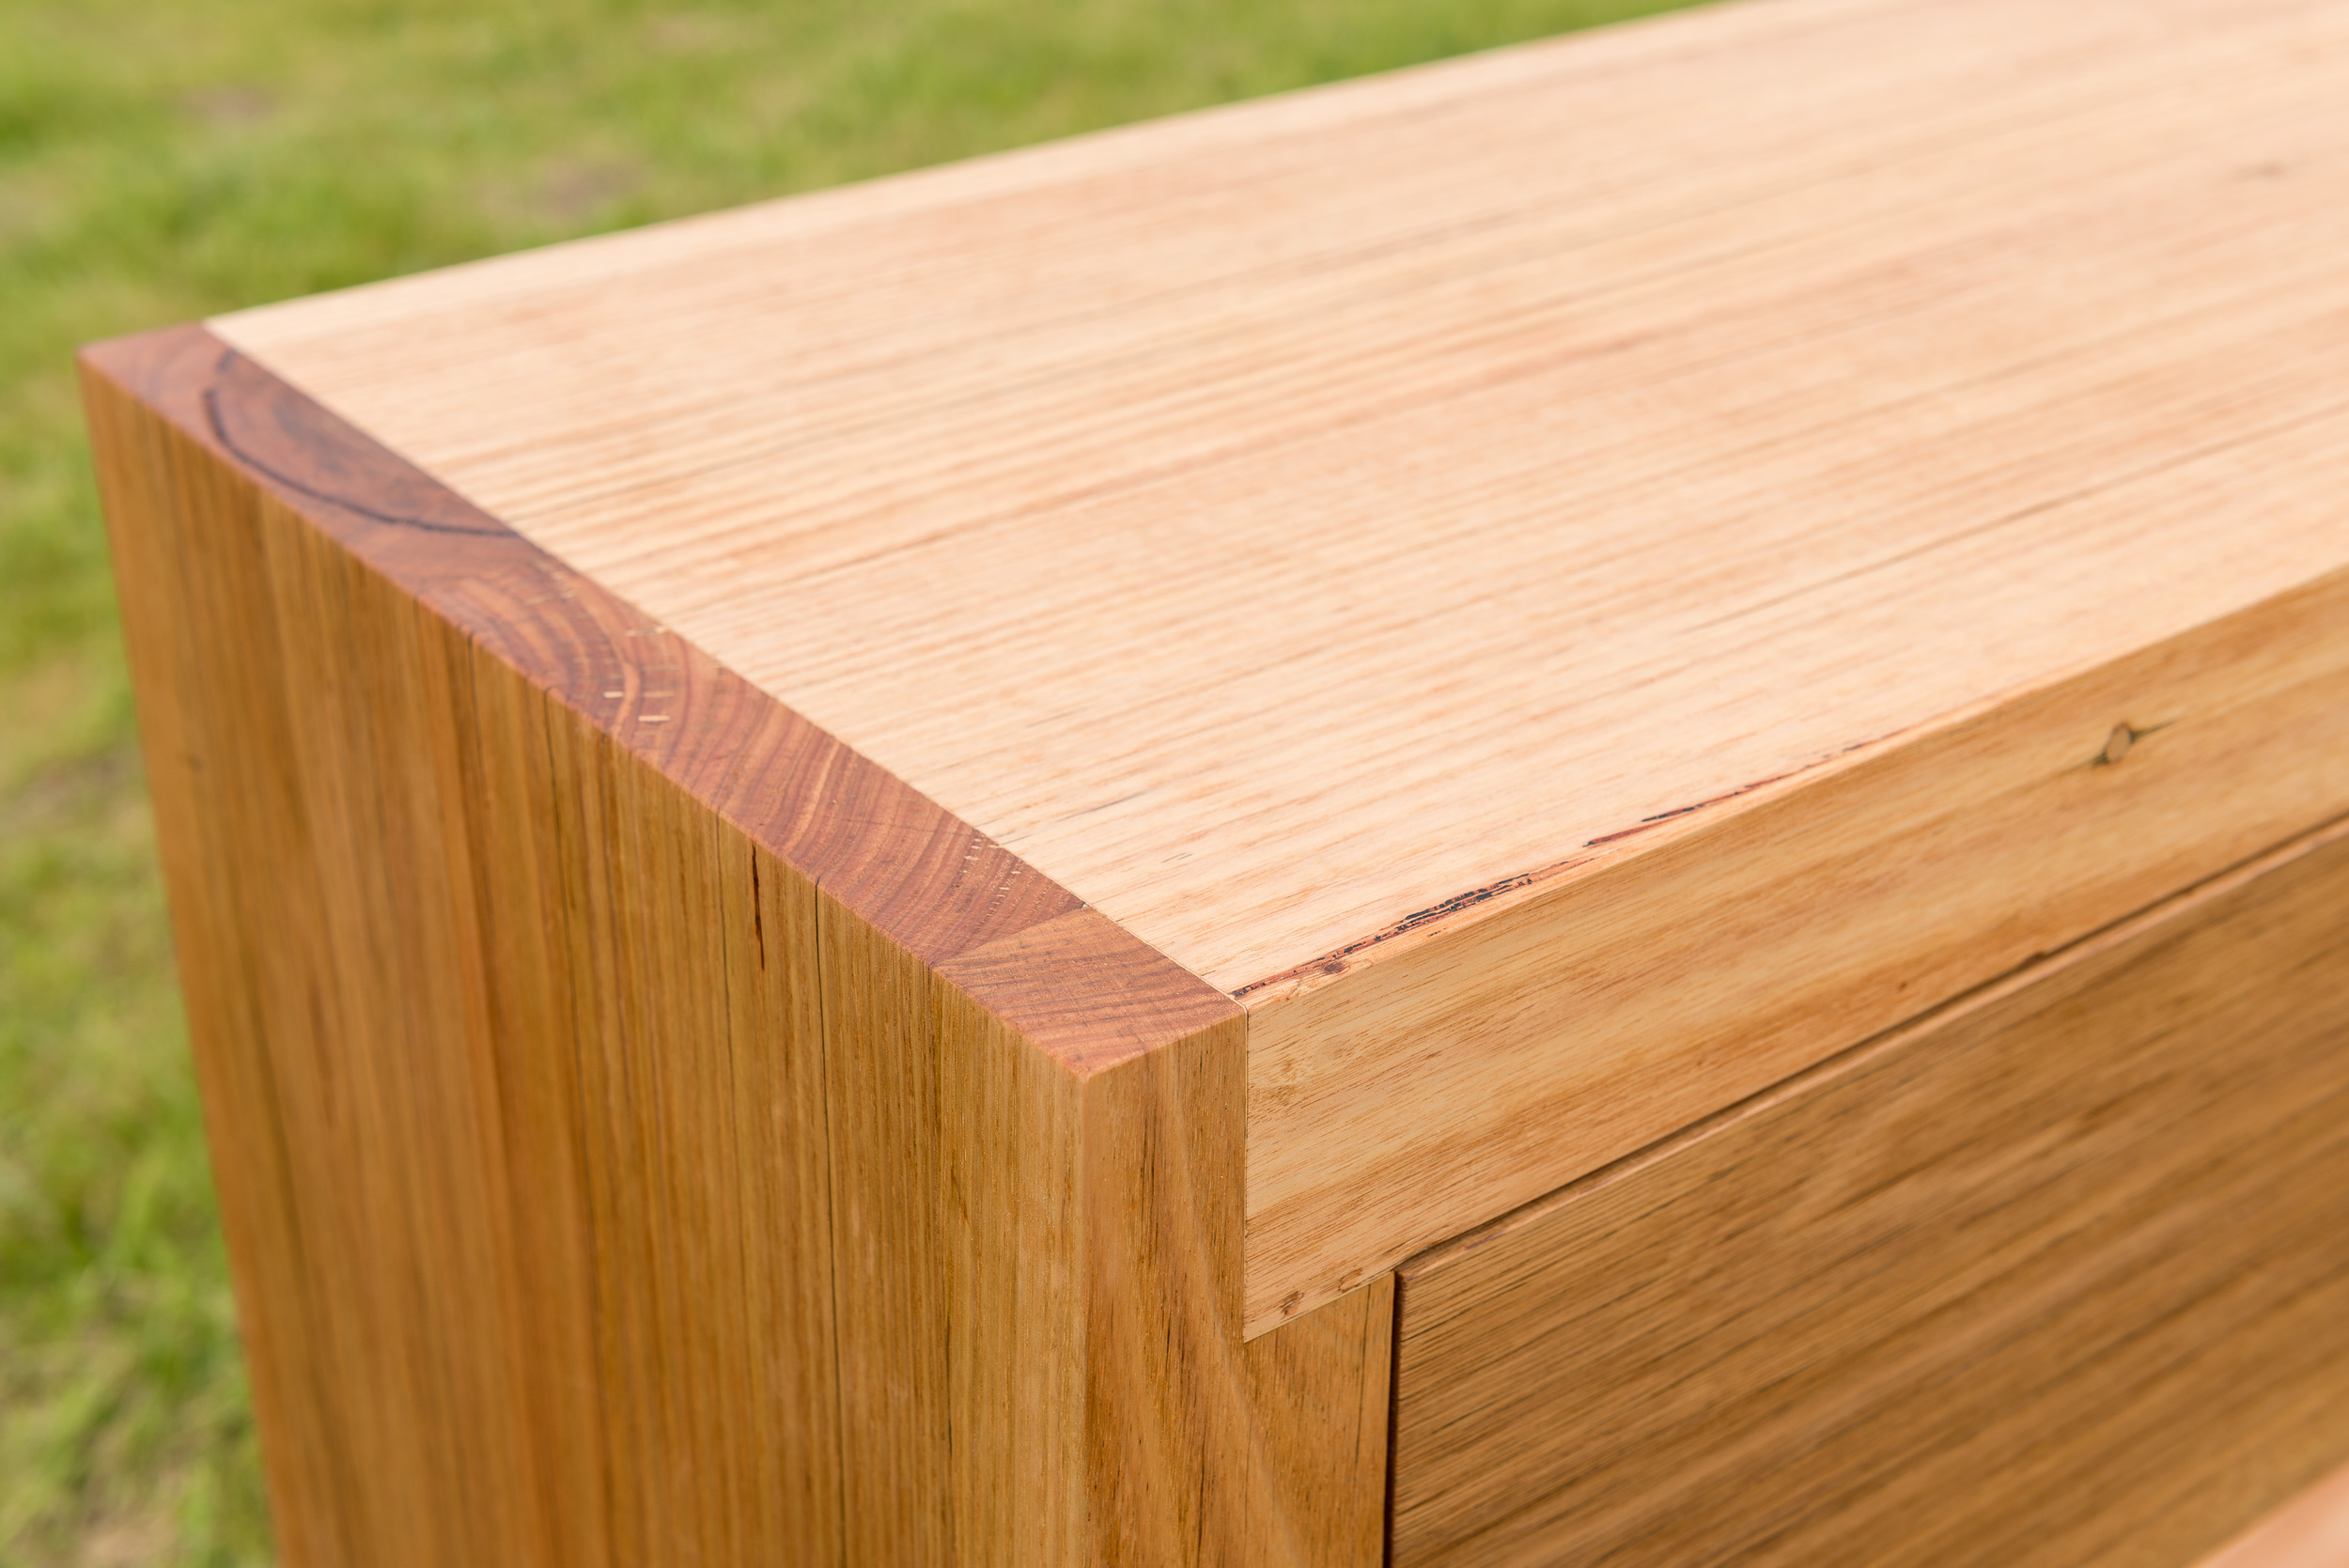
1334, 961
1085, 990
1012, 977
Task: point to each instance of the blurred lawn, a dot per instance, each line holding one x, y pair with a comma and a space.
161, 162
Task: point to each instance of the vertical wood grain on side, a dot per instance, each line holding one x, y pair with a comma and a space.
882, 1098
520, 1234
1184, 1445
647, 1133
2058, 1274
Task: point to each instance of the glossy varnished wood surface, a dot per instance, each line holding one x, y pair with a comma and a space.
2058, 1274
1445, 560
648, 1132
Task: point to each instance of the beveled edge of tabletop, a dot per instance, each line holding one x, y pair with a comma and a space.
1078, 986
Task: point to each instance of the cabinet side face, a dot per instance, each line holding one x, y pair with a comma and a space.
2060, 1276
623, 1160
511, 1058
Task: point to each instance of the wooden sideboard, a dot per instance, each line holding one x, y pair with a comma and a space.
1590, 806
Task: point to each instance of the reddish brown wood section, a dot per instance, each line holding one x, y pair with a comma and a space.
900, 860
646, 1131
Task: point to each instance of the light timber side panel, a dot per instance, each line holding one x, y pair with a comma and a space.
648, 1132
2058, 1274
511, 1063
1195, 1447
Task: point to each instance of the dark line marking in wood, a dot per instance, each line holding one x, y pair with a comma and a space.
1394, 1405
1333, 962
229, 359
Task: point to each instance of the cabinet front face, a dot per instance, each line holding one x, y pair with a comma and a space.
2057, 1275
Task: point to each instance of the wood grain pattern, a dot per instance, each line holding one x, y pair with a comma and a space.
1460, 369
847, 888
648, 1132
1396, 550
1605, 1013
2057, 1275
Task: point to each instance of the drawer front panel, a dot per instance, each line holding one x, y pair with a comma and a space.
2058, 1274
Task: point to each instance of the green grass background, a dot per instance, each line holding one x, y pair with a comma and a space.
159, 161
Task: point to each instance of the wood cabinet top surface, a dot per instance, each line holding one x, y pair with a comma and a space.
1277, 522
1572, 583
